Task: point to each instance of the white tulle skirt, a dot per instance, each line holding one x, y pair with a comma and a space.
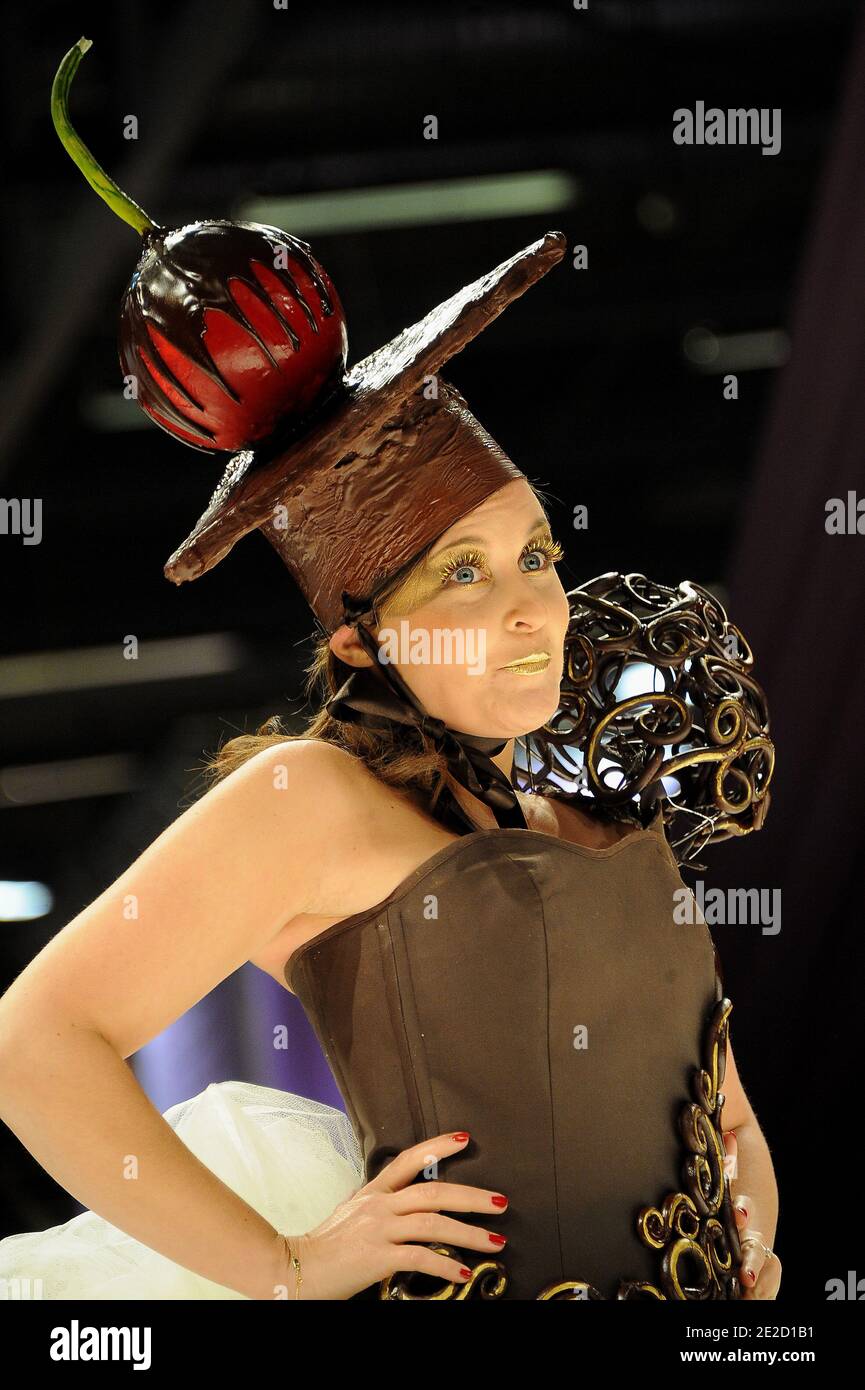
291, 1158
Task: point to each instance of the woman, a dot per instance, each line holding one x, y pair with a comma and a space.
106, 985
510, 1008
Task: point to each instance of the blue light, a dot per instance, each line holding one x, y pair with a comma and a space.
24, 900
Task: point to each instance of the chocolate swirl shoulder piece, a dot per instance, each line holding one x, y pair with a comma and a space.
658, 701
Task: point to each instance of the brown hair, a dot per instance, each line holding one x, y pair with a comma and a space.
404, 758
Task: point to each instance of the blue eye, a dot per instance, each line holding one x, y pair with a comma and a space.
459, 564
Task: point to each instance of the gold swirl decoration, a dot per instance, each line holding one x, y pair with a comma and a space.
693, 1231
489, 1279
657, 684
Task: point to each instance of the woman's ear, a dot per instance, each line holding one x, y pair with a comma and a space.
346, 644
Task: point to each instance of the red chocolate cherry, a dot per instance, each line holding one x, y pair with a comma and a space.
230, 332
229, 329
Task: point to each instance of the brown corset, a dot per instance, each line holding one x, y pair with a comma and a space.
540, 995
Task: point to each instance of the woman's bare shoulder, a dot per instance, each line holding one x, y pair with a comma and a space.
296, 758
330, 789
332, 770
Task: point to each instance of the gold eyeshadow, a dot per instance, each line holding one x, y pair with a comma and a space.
543, 542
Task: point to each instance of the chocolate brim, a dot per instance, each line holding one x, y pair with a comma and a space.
252, 485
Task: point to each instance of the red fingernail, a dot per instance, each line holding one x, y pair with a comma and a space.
500, 1201
728, 1134
466, 1273
751, 1275
744, 1211
496, 1240
460, 1137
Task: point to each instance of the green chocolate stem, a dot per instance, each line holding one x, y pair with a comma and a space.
95, 175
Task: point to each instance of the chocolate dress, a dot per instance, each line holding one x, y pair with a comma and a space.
542, 996
539, 994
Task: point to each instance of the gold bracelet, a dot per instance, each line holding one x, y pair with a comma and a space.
294, 1260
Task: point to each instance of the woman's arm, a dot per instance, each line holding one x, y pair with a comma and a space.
753, 1188
754, 1172
216, 886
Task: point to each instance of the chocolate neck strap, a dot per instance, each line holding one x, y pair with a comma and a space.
373, 695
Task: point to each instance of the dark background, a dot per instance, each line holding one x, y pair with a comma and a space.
589, 382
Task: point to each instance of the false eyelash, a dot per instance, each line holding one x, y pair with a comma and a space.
551, 548
456, 562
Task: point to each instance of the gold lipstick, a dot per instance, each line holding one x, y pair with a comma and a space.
525, 665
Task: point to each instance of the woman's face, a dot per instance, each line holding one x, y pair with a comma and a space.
488, 596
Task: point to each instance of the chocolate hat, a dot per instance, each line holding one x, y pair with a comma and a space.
392, 459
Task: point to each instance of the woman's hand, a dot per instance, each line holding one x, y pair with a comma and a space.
759, 1274
368, 1237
